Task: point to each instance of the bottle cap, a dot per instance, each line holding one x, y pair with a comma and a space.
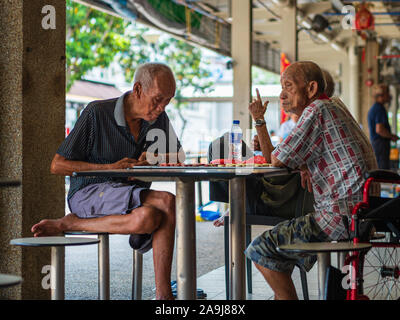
236, 121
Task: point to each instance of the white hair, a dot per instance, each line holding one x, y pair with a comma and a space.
146, 73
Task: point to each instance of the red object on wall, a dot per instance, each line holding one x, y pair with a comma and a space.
369, 82
284, 64
364, 18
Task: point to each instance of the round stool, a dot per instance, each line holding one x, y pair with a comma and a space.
8, 280
104, 266
323, 250
57, 245
103, 261
137, 275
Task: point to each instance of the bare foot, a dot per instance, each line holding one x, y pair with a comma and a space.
164, 293
52, 227
170, 297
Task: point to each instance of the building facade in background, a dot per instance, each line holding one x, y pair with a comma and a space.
208, 116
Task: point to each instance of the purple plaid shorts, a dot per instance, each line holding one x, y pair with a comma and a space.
104, 199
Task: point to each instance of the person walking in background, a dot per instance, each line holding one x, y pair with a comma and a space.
379, 128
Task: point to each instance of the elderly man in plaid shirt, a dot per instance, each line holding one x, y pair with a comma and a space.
325, 146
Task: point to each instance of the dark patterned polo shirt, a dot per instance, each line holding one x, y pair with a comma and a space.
102, 136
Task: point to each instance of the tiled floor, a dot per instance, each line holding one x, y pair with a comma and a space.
213, 284
376, 286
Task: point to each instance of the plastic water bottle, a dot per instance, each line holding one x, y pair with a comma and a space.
235, 142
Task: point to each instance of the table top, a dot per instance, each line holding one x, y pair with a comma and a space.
6, 182
315, 247
7, 280
196, 172
83, 232
53, 241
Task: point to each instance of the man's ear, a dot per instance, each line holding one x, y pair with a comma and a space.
312, 89
137, 89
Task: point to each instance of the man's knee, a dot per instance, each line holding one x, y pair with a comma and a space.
169, 201
164, 202
145, 219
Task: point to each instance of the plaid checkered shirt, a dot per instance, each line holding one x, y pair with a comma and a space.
328, 141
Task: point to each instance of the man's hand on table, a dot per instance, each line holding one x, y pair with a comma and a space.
126, 163
158, 158
152, 158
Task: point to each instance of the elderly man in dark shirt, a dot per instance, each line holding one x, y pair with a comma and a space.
114, 134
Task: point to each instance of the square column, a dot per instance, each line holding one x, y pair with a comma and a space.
32, 121
289, 31
241, 50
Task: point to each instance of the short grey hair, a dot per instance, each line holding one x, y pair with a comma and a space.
146, 73
308, 71
329, 83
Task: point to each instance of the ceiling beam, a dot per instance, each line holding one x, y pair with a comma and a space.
315, 8
267, 27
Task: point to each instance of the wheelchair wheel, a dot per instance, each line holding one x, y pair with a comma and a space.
381, 270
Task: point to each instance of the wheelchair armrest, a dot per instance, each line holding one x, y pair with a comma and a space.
380, 174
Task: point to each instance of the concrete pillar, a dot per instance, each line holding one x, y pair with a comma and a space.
289, 31
369, 70
393, 108
32, 120
241, 45
353, 80
288, 42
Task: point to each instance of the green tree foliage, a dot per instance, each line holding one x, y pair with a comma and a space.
260, 77
184, 59
95, 39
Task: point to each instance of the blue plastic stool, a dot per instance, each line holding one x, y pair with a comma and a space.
209, 214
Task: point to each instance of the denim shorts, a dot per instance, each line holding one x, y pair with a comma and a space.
263, 249
103, 199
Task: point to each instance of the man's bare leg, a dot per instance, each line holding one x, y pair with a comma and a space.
156, 215
141, 220
281, 283
163, 241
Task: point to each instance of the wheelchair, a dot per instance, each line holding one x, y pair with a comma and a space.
375, 274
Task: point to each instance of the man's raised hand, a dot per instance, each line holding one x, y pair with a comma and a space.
257, 108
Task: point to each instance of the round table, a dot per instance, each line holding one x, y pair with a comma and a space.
8, 280
323, 250
57, 245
